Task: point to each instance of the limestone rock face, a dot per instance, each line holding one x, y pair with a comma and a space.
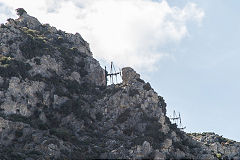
28, 21
222, 147
129, 75
54, 104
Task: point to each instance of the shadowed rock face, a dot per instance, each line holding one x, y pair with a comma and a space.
54, 103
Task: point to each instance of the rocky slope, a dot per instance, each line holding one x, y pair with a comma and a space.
54, 104
222, 147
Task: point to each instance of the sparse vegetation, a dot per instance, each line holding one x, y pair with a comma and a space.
60, 40
33, 47
19, 118
133, 92
124, 116
4, 61
3, 26
99, 116
62, 133
219, 156
10, 42
42, 126
13, 68
147, 86
31, 32
10, 19
19, 133
37, 61
140, 80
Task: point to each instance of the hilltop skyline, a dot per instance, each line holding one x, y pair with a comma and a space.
193, 65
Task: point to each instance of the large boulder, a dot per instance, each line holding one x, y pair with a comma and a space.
129, 75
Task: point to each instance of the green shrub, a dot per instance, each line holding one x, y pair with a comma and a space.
112, 91
153, 130
179, 145
33, 47
4, 86
60, 40
19, 118
10, 19
140, 139
31, 32
4, 61
124, 116
3, 26
219, 156
147, 86
61, 133
42, 126
99, 116
19, 133
75, 107
128, 131
133, 92
34, 152
10, 42
140, 80
13, 68
74, 49
37, 61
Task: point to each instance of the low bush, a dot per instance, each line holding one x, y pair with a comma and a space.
4, 61
147, 86
140, 80
19, 118
123, 116
19, 133
37, 61
61, 133
33, 47
3, 26
99, 116
133, 92
13, 68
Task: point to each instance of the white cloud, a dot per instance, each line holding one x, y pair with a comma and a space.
128, 32
5, 12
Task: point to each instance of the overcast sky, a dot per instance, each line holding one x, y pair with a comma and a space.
188, 50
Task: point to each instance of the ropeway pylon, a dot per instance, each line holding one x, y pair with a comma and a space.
177, 120
112, 74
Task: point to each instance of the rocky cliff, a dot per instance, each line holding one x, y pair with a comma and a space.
55, 104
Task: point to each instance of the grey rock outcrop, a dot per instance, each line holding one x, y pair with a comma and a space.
222, 147
54, 104
129, 75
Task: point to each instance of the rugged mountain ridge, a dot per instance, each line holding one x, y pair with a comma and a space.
55, 103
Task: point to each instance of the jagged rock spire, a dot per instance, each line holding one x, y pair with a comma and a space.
129, 75
20, 11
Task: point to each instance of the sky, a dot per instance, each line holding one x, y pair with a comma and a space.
188, 50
